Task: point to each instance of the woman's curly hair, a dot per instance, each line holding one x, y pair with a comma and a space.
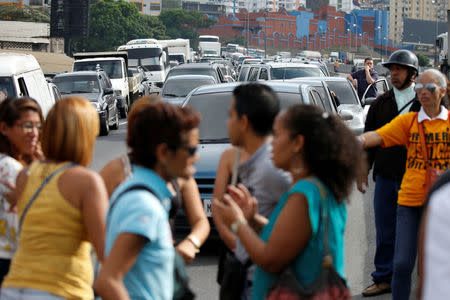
331, 151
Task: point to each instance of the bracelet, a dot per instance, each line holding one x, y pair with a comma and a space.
235, 226
194, 240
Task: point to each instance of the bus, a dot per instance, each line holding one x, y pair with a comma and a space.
152, 56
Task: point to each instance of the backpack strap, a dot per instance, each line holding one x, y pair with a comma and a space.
129, 189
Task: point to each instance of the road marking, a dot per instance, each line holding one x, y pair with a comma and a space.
123, 123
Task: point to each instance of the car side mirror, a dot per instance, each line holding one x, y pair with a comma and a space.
369, 101
108, 91
345, 115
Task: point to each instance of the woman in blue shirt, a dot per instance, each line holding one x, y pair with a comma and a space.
322, 156
139, 251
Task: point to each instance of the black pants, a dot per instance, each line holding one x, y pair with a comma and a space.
4, 268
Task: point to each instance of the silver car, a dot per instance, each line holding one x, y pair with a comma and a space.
176, 88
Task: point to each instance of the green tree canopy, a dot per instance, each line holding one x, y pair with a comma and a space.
424, 61
114, 22
184, 24
26, 14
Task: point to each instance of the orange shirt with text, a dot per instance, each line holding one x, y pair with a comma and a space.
404, 130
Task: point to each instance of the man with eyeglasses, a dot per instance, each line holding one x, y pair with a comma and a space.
389, 164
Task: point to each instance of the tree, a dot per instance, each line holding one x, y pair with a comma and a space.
113, 23
424, 61
184, 24
26, 14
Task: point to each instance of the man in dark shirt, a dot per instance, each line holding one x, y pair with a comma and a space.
389, 167
364, 78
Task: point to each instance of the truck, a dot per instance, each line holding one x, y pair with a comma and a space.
208, 45
442, 44
152, 56
179, 50
115, 64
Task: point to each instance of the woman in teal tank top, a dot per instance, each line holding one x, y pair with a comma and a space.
322, 155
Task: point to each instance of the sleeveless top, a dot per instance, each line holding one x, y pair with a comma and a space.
53, 254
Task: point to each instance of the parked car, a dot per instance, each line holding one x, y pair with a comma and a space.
21, 75
54, 91
176, 88
283, 70
212, 102
97, 88
198, 69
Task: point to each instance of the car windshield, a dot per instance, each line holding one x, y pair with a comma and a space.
111, 67
193, 71
344, 92
182, 87
243, 73
6, 88
77, 84
295, 72
214, 111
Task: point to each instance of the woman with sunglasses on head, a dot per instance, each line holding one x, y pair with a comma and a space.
184, 190
20, 123
323, 158
140, 256
432, 122
61, 207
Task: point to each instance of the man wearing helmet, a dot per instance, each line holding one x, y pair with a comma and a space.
389, 164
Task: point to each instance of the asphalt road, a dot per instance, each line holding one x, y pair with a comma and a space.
359, 239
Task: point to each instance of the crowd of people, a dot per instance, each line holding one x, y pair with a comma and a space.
279, 199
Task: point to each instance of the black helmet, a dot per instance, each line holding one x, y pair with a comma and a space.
403, 58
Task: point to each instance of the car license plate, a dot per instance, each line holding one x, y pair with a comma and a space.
207, 207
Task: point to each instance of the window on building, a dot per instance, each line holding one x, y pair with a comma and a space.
36, 2
138, 5
282, 24
155, 6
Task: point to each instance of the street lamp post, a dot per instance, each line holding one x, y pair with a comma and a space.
356, 38
265, 33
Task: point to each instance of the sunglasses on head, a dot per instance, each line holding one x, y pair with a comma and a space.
431, 87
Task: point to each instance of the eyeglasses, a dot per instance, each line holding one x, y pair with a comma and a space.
28, 127
431, 87
190, 150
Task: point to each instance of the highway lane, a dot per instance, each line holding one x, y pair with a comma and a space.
359, 238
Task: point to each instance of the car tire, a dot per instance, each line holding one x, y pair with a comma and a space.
115, 126
104, 126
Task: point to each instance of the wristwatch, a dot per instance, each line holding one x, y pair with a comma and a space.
235, 225
194, 240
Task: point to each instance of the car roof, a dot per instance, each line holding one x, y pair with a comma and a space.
77, 73
180, 77
291, 65
195, 66
17, 63
277, 86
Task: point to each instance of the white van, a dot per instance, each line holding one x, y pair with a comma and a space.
21, 75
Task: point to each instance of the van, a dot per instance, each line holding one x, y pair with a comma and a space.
21, 76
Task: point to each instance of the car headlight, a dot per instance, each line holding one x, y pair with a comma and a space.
118, 93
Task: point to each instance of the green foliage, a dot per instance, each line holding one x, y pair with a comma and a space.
184, 24
424, 61
113, 23
26, 14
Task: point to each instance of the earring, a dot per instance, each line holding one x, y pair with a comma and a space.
297, 170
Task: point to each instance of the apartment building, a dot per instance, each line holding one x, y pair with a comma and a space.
429, 10
148, 7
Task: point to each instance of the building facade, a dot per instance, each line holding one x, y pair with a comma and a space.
427, 10
148, 7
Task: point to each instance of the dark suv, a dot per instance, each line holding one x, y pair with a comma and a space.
210, 69
97, 88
